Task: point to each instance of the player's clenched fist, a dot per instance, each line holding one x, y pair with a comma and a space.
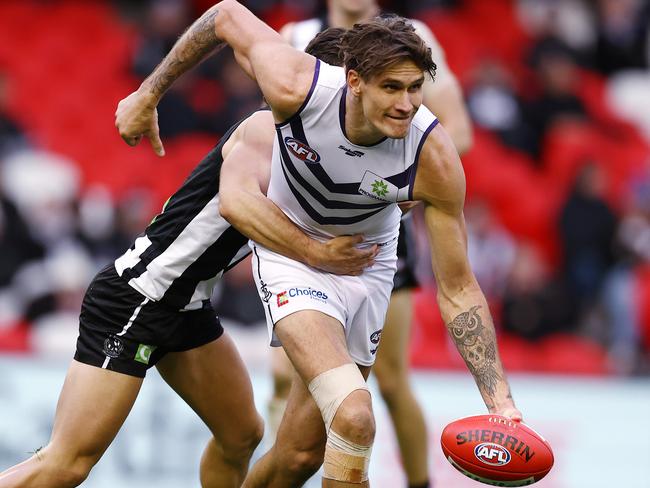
136, 117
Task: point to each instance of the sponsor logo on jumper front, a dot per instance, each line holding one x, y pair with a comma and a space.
350, 152
113, 346
492, 454
283, 299
301, 151
307, 292
377, 188
511, 443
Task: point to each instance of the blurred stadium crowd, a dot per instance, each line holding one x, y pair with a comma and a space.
558, 205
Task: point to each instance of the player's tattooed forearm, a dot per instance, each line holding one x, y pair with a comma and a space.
477, 345
195, 44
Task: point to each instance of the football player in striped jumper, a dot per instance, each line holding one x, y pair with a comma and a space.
330, 325
445, 99
151, 308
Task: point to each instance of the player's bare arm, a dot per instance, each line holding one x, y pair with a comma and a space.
440, 183
444, 97
283, 73
244, 179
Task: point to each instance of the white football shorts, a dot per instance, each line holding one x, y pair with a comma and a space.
359, 303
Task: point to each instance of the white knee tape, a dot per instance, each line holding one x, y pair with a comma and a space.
345, 460
330, 388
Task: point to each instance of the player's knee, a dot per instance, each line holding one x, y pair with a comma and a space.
354, 419
303, 463
345, 461
240, 447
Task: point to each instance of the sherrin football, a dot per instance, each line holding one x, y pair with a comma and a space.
496, 451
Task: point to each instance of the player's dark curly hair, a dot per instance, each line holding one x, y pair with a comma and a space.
371, 47
326, 46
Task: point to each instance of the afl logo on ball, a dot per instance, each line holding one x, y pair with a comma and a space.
113, 346
492, 454
302, 151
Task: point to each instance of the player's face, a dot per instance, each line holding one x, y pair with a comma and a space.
353, 7
391, 98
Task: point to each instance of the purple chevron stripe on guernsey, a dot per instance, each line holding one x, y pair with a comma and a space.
307, 98
287, 163
320, 219
414, 167
400, 180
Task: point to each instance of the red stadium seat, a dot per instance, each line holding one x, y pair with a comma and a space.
15, 338
570, 354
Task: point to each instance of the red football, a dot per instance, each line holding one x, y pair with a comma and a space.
497, 451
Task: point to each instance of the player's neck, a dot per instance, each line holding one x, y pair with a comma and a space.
358, 129
340, 18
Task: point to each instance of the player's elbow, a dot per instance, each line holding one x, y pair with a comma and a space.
226, 11
228, 205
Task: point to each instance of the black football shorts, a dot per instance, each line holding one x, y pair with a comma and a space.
405, 277
121, 330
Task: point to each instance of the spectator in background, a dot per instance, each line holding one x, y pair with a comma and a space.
495, 106
491, 249
17, 246
535, 302
164, 22
240, 97
571, 21
557, 77
107, 228
11, 134
587, 226
623, 35
44, 188
620, 297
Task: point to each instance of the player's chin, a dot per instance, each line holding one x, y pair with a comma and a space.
396, 128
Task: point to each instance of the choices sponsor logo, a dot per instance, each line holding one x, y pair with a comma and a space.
113, 346
283, 299
301, 151
308, 291
492, 454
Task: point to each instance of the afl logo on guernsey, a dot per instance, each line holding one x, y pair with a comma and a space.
301, 151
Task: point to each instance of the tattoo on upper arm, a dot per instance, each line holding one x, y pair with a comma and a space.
196, 43
477, 345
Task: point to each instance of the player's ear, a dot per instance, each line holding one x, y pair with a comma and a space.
354, 82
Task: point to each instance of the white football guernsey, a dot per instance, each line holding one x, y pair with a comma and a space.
329, 186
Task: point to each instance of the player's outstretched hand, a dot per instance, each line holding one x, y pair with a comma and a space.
341, 255
136, 117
